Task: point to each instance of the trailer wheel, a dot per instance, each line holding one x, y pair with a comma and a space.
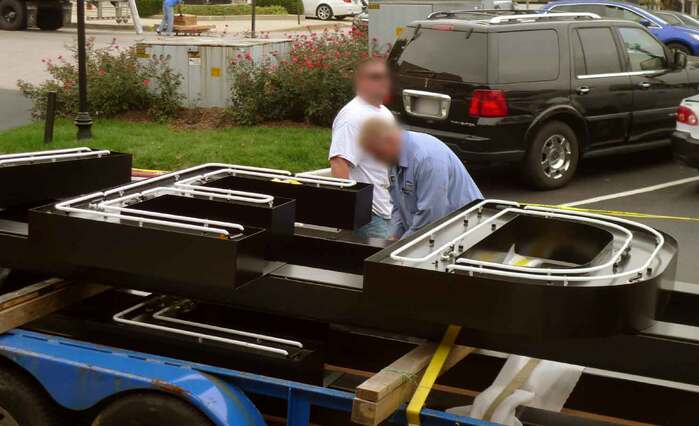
150, 409
25, 403
13, 15
49, 18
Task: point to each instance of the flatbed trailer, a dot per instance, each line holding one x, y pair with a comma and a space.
80, 376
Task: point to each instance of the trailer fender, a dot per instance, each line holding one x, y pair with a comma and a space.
81, 376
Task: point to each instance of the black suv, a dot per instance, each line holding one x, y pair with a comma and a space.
541, 90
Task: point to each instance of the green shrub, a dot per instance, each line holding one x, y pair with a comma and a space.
292, 6
116, 83
149, 7
229, 10
311, 86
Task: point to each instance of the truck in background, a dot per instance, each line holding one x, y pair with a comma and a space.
48, 15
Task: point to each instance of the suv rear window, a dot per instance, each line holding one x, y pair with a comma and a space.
445, 55
527, 56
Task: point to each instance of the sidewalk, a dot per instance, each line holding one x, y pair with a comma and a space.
222, 24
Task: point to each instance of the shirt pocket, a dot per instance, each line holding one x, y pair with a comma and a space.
409, 193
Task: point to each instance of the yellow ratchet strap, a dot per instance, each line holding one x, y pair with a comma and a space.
431, 373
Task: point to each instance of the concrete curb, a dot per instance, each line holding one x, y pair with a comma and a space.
241, 17
150, 28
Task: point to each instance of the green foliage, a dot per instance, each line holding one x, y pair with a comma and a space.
157, 146
292, 6
117, 82
229, 9
311, 86
149, 7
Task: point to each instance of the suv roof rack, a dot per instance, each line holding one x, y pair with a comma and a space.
487, 12
541, 16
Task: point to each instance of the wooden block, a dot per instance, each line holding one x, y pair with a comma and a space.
42, 299
381, 395
185, 20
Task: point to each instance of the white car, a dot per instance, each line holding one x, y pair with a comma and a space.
685, 139
327, 9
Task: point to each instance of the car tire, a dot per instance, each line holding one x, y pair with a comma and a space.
552, 157
23, 402
150, 409
324, 12
13, 15
681, 47
49, 18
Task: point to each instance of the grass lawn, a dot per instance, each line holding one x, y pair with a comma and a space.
157, 146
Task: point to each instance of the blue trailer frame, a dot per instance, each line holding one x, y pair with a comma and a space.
79, 375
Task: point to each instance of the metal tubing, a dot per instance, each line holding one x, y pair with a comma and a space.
659, 242
52, 151
176, 175
34, 158
160, 316
253, 197
66, 206
119, 317
318, 180
395, 255
613, 259
210, 195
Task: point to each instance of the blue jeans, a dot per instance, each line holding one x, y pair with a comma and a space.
166, 25
377, 228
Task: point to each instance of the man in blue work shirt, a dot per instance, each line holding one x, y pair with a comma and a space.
167, 24
427, 181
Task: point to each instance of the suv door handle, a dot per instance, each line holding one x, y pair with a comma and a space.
583, 90
644, 85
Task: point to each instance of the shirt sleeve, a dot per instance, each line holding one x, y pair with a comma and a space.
432, 183
344, 143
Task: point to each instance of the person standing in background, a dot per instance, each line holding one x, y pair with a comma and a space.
347, 158
168, 22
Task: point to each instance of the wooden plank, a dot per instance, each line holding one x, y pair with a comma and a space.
406, 367
381, 395
60, 296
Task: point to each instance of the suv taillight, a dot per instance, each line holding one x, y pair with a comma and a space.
488, 103
347, 1
686, 116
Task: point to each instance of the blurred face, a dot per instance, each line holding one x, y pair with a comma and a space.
373, 82
386, 146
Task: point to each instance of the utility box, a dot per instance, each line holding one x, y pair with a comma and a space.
388, 18
203, 63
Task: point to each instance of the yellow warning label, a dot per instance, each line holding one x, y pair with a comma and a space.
374, 6
399, 31
215, 72
141, 51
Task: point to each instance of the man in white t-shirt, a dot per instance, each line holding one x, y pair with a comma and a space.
348, 159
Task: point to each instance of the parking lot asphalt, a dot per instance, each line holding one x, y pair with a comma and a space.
14, 109
649, 183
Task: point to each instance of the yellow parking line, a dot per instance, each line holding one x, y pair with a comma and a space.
620, 213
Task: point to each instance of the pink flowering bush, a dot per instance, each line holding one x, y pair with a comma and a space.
116, 81
310, 86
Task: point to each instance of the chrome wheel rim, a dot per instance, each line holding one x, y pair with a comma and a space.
324, 12
556, 157
6, 418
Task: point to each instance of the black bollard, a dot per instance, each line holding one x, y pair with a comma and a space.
50, 117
